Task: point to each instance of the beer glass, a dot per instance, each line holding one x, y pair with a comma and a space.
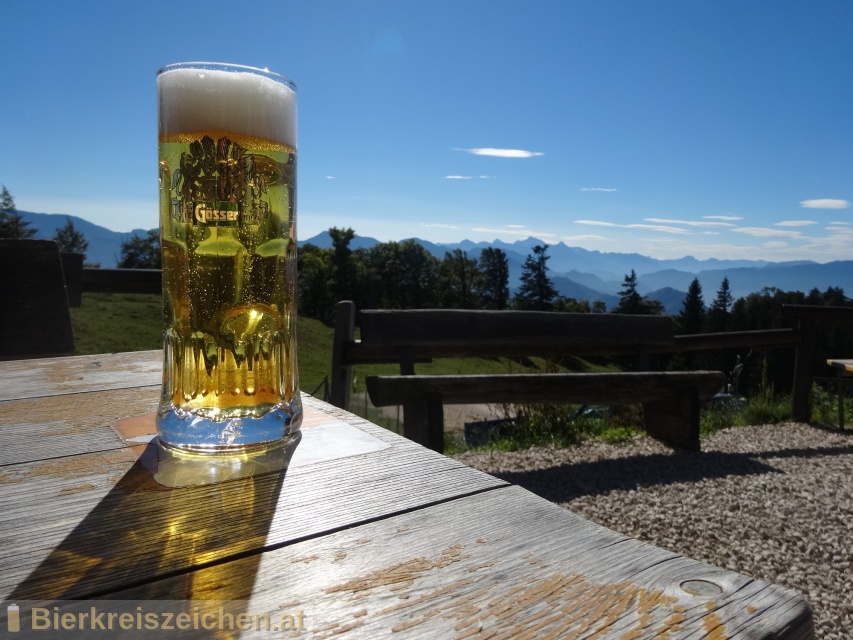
227, 161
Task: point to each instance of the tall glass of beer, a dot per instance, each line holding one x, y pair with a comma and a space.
227, 147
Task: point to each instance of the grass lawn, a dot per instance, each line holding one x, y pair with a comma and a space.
117, 322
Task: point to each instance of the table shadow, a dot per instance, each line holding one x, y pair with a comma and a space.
566, 482
142, 532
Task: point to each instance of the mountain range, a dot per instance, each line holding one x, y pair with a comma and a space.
575, 272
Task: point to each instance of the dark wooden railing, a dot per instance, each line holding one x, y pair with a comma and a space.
801, 337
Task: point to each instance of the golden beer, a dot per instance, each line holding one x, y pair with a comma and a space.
227, 156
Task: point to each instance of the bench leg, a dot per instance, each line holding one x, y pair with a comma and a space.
423, 421
674, 421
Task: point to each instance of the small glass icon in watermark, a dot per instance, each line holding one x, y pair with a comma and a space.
13, 618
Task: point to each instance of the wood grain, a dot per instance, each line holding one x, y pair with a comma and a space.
609, 388
501, 564
58, 376
86, 524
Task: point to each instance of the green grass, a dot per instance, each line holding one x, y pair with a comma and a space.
825, 404
118, 322
113, 323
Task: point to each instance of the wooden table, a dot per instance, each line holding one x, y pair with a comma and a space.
844, 368
365, 535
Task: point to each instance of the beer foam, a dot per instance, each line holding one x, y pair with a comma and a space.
236, 101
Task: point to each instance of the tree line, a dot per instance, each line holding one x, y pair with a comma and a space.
404, 275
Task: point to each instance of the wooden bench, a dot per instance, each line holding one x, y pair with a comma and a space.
670, 399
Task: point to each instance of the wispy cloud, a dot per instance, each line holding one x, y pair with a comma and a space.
648, 227
825, 203
605, 189
468, 177
503, 153
732, 218
794, 223
331, 178
516, 230
690, 223
437, 225
764, 232
579, 238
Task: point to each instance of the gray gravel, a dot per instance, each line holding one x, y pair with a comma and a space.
774, 502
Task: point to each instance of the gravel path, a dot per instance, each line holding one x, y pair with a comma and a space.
774, 502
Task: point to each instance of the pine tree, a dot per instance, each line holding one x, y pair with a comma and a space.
536, 292
70, 240
11, 224
692, 317
630, 300
719, 315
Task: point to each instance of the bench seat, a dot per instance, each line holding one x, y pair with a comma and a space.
670, 399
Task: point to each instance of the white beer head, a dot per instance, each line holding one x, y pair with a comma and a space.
217, 97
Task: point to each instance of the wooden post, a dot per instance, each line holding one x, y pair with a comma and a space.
423, 421
72, 267
342, 372
675, 420
34, 318
801, 401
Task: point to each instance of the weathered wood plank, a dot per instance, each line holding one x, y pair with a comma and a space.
437, 325
501, 564
66, 425
85, 524
51, 376
122, 280
606, 388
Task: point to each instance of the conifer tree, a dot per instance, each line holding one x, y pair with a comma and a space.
12, 225
719, 315
536, 292
692, 317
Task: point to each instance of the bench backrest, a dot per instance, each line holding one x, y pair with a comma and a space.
35, 321
406, 336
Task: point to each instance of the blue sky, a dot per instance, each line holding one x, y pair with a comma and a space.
668, 128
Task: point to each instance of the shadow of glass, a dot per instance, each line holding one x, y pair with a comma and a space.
142, 532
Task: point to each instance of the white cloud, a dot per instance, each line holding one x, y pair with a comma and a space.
844, 223
437, 225
775, 244
331, 178
583, 237
607, 190
649, 227
763, 232
690, 223
458, 177
596, 223
515, 230
794, 223
503, 153
732, 218
825, 203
